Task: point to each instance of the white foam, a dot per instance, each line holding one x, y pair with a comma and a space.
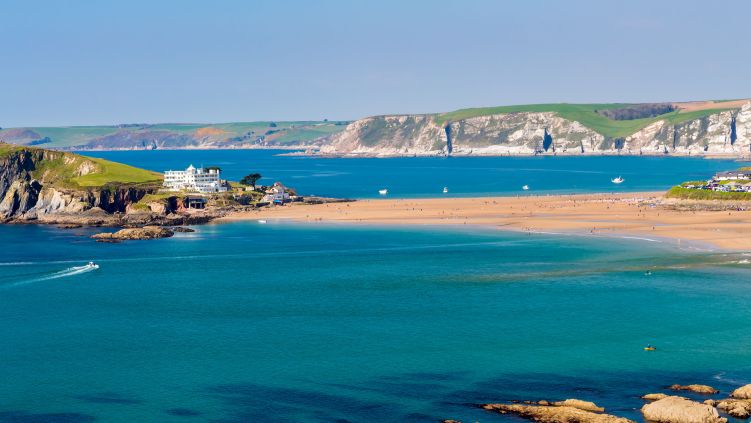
71, 271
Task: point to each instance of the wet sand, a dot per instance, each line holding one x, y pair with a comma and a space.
646, 215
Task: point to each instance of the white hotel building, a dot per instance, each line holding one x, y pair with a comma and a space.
194, 180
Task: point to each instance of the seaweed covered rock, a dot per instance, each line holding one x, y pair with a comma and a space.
146, 232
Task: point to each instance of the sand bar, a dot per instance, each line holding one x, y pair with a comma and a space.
643, 214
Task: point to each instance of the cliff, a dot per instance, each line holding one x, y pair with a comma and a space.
44, 185
710, 128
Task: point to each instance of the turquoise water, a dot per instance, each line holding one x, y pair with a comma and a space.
426, 176
282, 322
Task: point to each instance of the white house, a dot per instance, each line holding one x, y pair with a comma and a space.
732, 175
277, 194
194, 180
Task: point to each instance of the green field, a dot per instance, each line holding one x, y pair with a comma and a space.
583, 113
113, 172
283, 132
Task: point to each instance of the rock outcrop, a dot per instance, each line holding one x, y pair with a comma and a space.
554, 414
738, 408
33, 187
744, 392
582, 405
146, 232
653, 397
699, 389
525, 133
673, 409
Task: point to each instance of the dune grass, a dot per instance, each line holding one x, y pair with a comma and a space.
704, 194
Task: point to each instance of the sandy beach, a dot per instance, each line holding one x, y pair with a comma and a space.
647, 215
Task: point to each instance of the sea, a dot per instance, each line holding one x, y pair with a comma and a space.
317, 322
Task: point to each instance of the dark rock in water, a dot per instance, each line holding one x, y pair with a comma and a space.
182, 229
109, 240
146, 232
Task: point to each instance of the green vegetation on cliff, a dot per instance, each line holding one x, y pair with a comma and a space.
586, 114
73, 170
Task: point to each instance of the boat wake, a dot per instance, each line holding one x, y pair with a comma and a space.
71, 271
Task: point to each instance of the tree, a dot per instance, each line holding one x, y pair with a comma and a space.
251, 179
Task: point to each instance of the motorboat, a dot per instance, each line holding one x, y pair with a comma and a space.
383, 191
445, 190
650, 348
92, 265
261, 221
525, 187
617, 180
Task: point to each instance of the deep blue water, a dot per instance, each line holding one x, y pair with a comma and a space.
313, 323
283, 322
426, 176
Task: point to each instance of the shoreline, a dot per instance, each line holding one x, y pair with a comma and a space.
313, 151
650, 216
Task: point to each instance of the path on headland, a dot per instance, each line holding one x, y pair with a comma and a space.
646, 214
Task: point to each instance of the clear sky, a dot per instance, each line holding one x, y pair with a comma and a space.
106, 62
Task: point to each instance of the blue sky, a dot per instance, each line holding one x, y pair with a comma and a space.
95, 62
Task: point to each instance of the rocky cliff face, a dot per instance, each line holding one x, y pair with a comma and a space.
27, 195
526, 133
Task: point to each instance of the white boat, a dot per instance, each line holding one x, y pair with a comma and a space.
525, 187
92, 265
617, 180
261, 221
445, 190
383, 191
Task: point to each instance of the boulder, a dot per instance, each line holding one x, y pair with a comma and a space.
739, 408
182, 229
653, 397
744, 392
554, 414
581, 405
146, 232
673, 409
699, 389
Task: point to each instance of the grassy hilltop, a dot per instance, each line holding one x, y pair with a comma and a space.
75, 171
587, 114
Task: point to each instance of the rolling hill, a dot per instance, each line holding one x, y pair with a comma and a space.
155, 136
